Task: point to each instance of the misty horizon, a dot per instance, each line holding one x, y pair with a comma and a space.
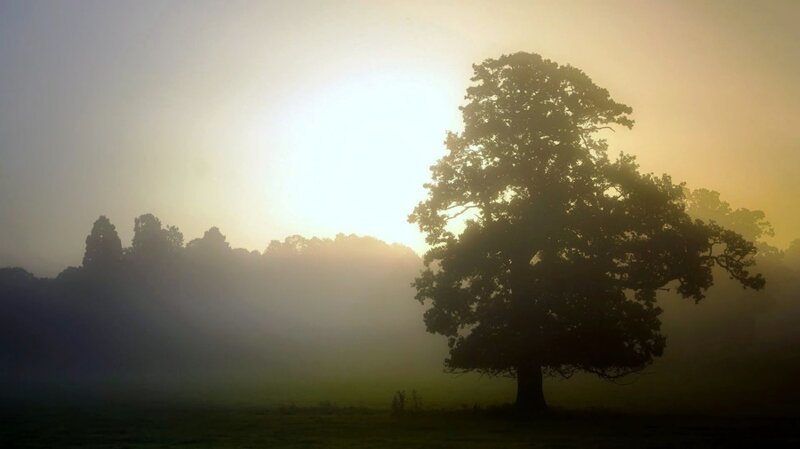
348, 223
215, 114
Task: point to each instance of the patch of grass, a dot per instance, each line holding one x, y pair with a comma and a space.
328, 426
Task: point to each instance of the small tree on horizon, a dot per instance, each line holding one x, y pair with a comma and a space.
151, 241
103, 246
563, 250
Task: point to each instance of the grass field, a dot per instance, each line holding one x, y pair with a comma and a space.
219, 427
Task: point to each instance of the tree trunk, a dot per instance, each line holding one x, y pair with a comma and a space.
530, 395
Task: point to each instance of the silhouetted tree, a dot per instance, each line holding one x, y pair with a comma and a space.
213, 253
211, 246
563, 248
173, 236
103, 246
151, 241
212, 239
706, 205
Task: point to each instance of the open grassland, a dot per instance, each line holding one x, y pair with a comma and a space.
331, 427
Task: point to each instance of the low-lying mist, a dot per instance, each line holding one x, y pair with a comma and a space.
310, 320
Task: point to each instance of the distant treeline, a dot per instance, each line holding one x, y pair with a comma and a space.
160, 310
203, 313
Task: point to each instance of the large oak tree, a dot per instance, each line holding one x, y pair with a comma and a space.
547, 254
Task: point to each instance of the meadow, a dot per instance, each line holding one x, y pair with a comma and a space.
328, 426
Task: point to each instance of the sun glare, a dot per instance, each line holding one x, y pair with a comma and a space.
357, 151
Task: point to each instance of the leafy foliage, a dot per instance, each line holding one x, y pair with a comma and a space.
564, 248
151, 240
103, 246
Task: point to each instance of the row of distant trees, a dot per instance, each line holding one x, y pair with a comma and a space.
153, 241
160, 309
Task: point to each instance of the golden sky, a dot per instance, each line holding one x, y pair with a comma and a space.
274, 118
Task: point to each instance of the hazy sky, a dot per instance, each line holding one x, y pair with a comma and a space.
275, 118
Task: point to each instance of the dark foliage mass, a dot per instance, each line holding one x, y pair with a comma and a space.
565, 248
160, 310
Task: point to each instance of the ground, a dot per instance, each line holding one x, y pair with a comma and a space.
331, 427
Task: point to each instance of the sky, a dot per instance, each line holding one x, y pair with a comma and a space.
268, 119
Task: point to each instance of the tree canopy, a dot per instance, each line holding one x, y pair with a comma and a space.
706, 205
103, 246
151, 240
557, 265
